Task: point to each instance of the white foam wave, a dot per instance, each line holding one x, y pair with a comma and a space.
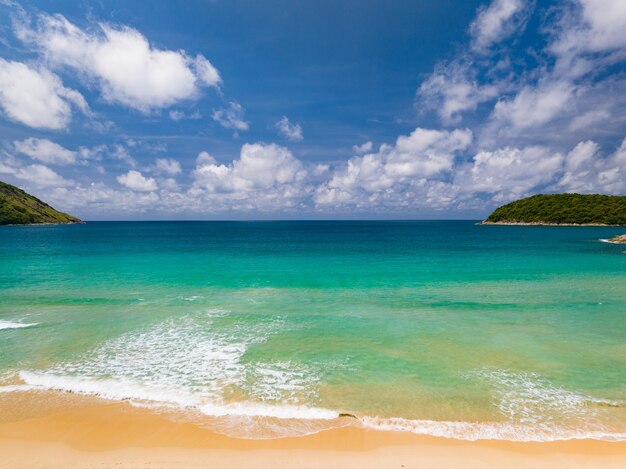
191, 298
527, 398
152, 396
473, 431
116, 389
193, 362
113, 389
246, 409
16, 388
15, 325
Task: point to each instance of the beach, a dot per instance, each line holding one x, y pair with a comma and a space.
59, 430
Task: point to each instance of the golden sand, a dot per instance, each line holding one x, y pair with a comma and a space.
51, 430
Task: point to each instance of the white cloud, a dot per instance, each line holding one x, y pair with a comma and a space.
36, 97
534, 106
231, 117
288, 130
586, 170
450, 91
41, 175
125, 66
422, 155
120, 152
510, 172
588, 119
363, 148
206, 72
497, 22
259, 167
138, 182
180, 115
579, 168
167, 166
46, 151
8, 164
98, 199
592, 26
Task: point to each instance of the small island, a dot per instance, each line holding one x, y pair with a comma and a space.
19, 208
562, 209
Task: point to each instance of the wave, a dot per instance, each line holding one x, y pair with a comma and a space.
118, 389
473, 431
17, 388
290, 420
15, 325
602, 240
199, 366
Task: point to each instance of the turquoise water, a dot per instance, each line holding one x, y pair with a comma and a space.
263, 329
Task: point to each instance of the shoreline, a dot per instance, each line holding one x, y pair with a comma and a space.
502, 223
72, 430
47, 224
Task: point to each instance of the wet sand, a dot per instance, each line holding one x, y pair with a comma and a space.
53, 430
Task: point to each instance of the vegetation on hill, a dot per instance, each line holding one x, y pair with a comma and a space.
577, 209
19, 208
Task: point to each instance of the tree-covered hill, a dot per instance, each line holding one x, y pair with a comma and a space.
563, 209
19, 208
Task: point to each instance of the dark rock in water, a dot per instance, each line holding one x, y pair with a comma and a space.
621, 239
351, 416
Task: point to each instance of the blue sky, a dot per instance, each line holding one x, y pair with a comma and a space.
312, 109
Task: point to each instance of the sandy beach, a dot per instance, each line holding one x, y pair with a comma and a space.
53, 430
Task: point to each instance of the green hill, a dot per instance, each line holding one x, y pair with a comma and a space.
19, 208
563, 209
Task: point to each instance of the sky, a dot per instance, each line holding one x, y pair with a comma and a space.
316, 109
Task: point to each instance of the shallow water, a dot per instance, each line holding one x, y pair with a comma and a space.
263, 329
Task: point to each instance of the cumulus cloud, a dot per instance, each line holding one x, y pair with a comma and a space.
167, 166
414, 158
41, 175
488, 177
36, 97
138, 182
509, 172
231, 117
102, 200
121, 61
586, 170
46, 151
259, 167
363, 148
498, 21
288, 130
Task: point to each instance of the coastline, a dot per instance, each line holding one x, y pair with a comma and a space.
502, 223
67, 430
47, 224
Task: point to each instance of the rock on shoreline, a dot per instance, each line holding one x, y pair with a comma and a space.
621, 239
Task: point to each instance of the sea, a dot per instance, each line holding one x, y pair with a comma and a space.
285, 328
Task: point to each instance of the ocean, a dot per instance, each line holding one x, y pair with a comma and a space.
269, 329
